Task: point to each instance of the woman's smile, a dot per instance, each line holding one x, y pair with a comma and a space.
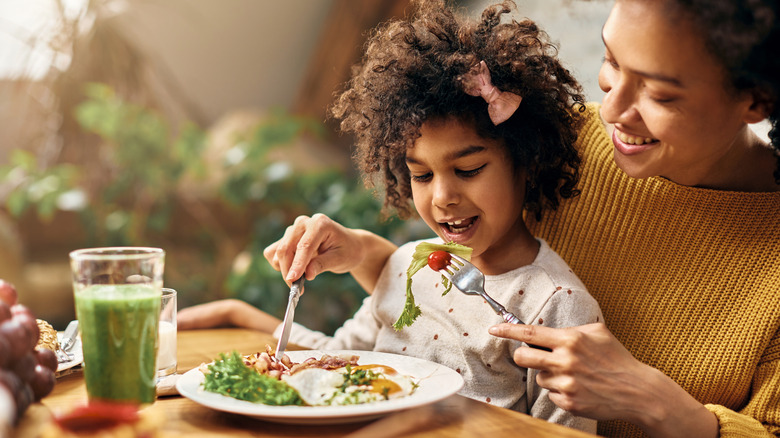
626, 144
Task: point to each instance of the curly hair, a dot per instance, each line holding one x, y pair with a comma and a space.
745, 37
410, 73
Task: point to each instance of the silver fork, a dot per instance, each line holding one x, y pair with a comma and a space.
471, 281
62, 355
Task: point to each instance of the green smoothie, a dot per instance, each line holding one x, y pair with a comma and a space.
118, 325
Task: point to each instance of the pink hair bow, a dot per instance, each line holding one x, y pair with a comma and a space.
501, 104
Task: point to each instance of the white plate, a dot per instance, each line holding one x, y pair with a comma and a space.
75, 352
436, 381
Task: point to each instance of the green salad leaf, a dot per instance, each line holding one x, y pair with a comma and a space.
230, 376
419, 260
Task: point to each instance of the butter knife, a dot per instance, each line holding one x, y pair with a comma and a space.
295, 292
69, 337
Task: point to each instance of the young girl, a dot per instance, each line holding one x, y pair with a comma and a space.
473, 121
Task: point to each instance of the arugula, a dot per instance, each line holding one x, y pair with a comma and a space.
230, 376
419, 260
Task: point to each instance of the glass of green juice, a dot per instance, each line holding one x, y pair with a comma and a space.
117, 292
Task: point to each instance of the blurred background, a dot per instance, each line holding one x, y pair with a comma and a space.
197, 126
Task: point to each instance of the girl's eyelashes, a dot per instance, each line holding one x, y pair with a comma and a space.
425, 177
470, 173
422, 178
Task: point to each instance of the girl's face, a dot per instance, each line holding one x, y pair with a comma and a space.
465, 189
666, 100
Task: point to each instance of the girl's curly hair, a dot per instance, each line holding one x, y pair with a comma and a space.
745, 37
410, 73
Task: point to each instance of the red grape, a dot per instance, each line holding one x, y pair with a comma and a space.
8, 293
42, 382
47, 358
5, 352
17, 336
11, 381
30, 326
25, 367
7, 407
20, 309
439, 260
24, 398
5, 311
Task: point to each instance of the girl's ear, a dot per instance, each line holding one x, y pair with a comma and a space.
760, 108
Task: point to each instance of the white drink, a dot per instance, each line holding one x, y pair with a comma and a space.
166, 354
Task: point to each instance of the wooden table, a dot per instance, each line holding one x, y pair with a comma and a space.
455, 416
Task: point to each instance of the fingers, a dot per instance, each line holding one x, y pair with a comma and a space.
530, 334
281, 254
307, 245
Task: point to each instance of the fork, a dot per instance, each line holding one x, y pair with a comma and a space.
62, 355
471, 281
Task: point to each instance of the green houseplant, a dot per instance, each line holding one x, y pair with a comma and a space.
135, 192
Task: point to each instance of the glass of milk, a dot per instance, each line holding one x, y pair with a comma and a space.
166, 352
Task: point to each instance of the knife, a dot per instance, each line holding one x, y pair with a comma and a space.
69, 337
295, 292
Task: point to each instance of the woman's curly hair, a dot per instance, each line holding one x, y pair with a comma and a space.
745, 37
410, 73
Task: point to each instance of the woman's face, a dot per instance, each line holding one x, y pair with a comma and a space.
666, 99
466, 191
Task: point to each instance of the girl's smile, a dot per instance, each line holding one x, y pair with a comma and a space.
465, 188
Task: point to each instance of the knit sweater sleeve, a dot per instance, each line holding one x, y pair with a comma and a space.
761, 416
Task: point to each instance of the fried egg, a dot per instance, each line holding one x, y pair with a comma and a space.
319, 387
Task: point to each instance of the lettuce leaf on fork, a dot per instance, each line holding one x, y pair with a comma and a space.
419, 260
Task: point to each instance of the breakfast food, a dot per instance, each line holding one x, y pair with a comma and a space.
420, 259
327, 381
48, 336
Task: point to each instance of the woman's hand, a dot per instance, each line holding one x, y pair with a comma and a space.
591, 374
312, 245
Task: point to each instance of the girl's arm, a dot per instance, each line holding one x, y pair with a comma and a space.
312, 245
589, 373
226, 313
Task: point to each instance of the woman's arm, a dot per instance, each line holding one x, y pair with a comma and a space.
589, 373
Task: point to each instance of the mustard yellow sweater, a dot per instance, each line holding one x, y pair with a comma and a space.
688, 280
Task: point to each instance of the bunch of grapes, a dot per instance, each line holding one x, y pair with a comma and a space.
26, 373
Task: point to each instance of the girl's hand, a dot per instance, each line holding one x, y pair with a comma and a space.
225, 313
312, 245
591, 374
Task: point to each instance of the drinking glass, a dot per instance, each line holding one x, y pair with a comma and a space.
166, 353
117, 292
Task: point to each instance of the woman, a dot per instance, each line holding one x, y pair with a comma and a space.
676, 237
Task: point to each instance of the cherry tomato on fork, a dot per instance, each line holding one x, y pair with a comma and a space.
439, 260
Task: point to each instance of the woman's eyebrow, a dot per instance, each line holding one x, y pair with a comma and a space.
671, 80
